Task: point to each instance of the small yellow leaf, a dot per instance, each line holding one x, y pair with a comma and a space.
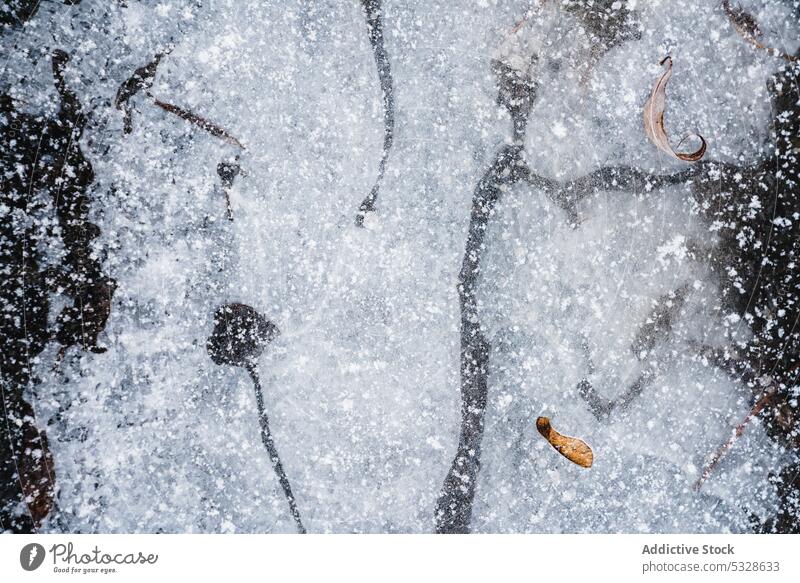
572, 448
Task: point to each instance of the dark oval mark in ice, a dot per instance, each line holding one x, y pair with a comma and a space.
240, 335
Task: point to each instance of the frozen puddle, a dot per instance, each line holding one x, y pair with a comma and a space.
362, 385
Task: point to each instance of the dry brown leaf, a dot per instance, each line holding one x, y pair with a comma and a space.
572, 448
200, 122
654, 119
36, 473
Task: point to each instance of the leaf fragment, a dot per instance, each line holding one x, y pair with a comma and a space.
142, 78
747, 27
572, 448
36, 475
654, 119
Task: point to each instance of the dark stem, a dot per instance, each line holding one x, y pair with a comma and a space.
454, 506
272, 451
657, 326
375, 28
610, 178
228, 208
601, 407
227, 172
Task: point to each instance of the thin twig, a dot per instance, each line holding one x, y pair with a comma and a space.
725, 448
228, 207
200, 122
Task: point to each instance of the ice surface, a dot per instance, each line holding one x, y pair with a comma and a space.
362, 385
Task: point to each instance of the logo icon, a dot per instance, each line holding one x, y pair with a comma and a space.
31, 556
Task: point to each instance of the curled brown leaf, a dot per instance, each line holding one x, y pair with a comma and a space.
572, 448
654, 119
